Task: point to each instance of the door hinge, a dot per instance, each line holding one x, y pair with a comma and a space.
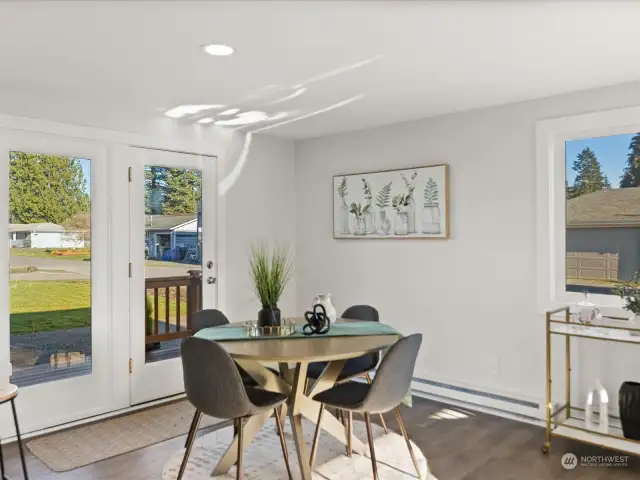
130, 366
130, 270
130, 174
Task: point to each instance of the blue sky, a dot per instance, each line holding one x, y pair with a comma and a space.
86, 170
611, 152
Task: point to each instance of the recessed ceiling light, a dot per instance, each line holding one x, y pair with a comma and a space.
218, 50
182, 110
231, 111
205, 120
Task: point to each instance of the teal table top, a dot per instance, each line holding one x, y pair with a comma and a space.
338, 329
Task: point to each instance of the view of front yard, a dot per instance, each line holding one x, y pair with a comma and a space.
81, 255
42, 306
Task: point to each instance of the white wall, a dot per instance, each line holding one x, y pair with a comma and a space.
260, 205
473, 296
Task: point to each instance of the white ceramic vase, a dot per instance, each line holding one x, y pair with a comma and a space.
324, 299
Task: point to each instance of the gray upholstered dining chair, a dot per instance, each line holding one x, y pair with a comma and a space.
385, 393
207, 318
355, 367
214, 387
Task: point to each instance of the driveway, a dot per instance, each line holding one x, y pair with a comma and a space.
62, 269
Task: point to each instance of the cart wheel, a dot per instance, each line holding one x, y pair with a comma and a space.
545, 448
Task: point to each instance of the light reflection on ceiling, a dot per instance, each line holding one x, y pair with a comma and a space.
256, 109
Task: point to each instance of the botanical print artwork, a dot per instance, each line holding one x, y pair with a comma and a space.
406, 203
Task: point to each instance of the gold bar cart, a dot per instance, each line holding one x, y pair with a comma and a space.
567, 420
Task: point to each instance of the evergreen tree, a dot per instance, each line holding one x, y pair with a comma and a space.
181, 191
154, 183
589, 176
45, 188
631, 175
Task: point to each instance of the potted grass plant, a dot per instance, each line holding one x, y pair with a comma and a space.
270, 271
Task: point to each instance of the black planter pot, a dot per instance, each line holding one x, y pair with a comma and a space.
629, 403
269, 316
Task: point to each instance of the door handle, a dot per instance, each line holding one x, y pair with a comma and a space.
211, 280
209, 264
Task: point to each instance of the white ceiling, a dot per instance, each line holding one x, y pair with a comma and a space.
367, 63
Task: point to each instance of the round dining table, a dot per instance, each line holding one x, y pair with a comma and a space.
293, 354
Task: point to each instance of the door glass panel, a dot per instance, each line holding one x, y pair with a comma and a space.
173, 257
50, 267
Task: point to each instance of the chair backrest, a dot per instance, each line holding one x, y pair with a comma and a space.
366, 313
211, 380
393, 378
362, 312
208, 318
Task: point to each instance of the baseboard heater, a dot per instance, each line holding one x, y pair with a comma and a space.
501, 405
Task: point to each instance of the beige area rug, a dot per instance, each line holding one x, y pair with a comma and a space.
263, 457
81, 446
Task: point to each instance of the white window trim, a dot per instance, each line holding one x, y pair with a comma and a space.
551, 136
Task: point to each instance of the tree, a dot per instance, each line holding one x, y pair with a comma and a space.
631, 175
589, 176
45, 188
181, 191
79, 223
154, 183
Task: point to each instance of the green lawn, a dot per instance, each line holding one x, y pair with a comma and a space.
46, 253
43, 306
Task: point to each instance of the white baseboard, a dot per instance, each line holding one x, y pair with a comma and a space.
499, 405
479, 408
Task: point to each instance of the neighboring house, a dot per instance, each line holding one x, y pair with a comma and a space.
43, 235
603, 234
177, 233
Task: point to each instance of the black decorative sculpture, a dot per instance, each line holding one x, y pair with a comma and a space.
317, 321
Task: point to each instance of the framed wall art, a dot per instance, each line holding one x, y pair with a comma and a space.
402, 203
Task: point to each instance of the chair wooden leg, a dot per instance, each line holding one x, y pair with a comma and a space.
316, 437
406, 439
283, 443
191, 438
193, 423
240, 449
372, 450
349, 433
384, 424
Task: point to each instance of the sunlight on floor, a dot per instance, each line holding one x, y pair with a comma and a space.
449, 414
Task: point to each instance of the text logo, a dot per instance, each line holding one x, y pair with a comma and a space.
569, 461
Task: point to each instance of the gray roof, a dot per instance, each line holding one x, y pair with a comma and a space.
613, 207
35, 227
166, 222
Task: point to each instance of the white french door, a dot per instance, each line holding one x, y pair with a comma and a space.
55, 289
172, 218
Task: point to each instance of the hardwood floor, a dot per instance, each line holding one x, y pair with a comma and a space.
470, 446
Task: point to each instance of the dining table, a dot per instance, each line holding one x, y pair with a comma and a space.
293, 351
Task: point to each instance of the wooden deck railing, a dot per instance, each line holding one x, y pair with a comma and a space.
181, 297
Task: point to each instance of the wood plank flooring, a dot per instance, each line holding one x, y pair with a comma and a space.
474, 446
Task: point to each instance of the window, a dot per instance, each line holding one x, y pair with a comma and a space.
49, 267
603, 211
588, 206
